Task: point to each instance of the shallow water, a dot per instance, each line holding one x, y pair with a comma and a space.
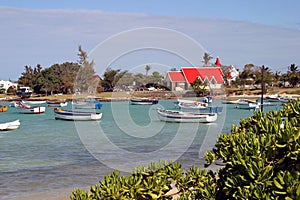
45, 154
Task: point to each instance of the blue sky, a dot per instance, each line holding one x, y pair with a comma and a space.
270, 12
239, 32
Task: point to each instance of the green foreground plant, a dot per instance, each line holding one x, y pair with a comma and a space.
261, 161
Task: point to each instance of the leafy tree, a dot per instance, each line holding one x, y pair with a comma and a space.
84, 79
140, 79
157, 77
49, 81
125, 79
199, 87
27, 77
110, 79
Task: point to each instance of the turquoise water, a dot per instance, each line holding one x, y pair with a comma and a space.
46, 154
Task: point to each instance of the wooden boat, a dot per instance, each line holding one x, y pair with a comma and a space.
247, 105
10, 125
199, 107
56, 103
274, 97
3, 108
195, 104
34, 102
87, 103
237, 101
26, 109
143, 101
179, 116
205, 100
76, 115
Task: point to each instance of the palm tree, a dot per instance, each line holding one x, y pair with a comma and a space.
293, 75
206, 58
293, 68
147, 68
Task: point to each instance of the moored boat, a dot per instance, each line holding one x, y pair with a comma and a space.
199, 107
34, 102
56, 103
143, 101
247, 105
87, 103
10, 125
179, 116
76, 115
26, 109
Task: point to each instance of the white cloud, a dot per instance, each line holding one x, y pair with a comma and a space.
46, 37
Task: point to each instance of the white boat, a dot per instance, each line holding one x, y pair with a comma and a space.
247, 105
179, 116
87, 103
207, 99
10, 125
26, 109
34, 102
56, 103
274, 97
199, 107
76, 115
14, 104
143, 101
195, 105
237, 101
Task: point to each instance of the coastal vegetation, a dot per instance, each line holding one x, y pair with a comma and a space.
80, 77
260, 160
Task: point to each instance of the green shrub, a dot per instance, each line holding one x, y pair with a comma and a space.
261, 156
261, 161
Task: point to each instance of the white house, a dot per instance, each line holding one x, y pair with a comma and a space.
4, 85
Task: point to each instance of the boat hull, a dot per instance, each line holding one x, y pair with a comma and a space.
33, 102
55, 103
87, 105
10, 125
143, 101
33, 110
76, 116
247, 106
185, 117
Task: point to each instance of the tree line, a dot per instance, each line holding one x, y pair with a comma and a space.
252, 75
73, 77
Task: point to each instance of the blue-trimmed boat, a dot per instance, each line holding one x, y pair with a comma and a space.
179, 116
76, 115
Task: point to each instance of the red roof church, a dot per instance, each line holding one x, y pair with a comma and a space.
181, 80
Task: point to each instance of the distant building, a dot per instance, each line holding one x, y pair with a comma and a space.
181, 80
232, 74
4, 85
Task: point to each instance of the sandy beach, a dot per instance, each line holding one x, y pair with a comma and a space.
125, 96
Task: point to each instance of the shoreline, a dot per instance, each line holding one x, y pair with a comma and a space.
122, 96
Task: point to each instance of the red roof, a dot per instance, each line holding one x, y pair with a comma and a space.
218, 63
176, 76
191, 74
